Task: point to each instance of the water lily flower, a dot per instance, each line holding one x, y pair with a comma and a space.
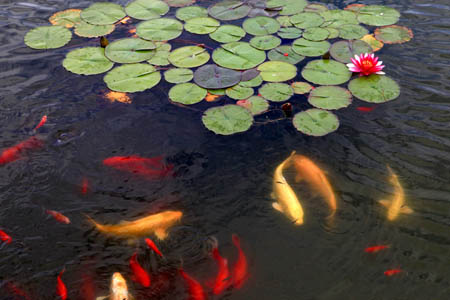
366, 64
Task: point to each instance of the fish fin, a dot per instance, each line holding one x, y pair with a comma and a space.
161, 233
298, 178
277, 206
406, 210
386, 203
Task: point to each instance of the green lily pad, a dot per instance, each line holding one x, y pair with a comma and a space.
178, 75
277, 71
179, 3
163, 29
301, 87
132, 78
393, 34
326, 72
334, 33
227, 119
239, 92
374, 88
330, 97
255, 104
290, 33
214, 77
261, 25
315, 8
265, 42
187, 93
277, 92
316, 34
84, 29
219, 92
285, 54
352, 31
310, 48
249, 74
373, 42
335, 18
238, 56
306, 20
343, 51
284, 21
87, 61
227, 34
189, 57
67, 18
190, 12
378, 15
229, 10
288, 7
146, 9
201, 25
315, 122
254, 82
130, 50
161, 57
47, 37
102, 13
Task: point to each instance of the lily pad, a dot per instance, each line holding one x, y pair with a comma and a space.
227, 119
277, 71
238, 56
343, 51
316, 34
288, 7
239, 92
178, 75
161, 55
189, 57
284, 21
326, 72
201, 25
227, 34
290, 33
249, 74
352, 31
310, 48
229, 10
265, 42
373, 42
187, 93
255, 104
146, 9
67, 18
132, 78
190, 12
130, 50
87, 61
306, 20
218, 92
214, 77
378, 15
374, 88
315, 8
301, 87
316, 122
330, 97
393, 34
163, 29
334, 33
277, 92
84, 29
47, 37
102, 13
179, 3
261, 25
336, 18
285, 54
252, 82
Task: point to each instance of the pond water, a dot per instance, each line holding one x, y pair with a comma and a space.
222, 184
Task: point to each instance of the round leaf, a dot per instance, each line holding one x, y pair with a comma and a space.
326, 72
67, 18
47, 37
310, 48
373, 42
343, 51
301, 87
352, 31
288, 7
316, 34
229, 10
130, 50
277, 71
187, 93
393, 34
374, 88
132, 78
214, 77
163, 29
87, 61
189, 57
238, 55
334, 33
255, 104
261, 25
146, 9
227, 34
189, 12
284, 21
227, 119
285, 54
315, 122
102, 13
179, 3
336, 18
265, 42
378, 15
330, 97
306, 20
290, 33
161, 55
277, 92
315, 7
238, 92
201, 25
84, 29
252, 82
178, 75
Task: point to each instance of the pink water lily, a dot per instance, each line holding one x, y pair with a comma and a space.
366, 64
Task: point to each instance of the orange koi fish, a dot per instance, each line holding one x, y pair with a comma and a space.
4, 237
240, 273
84, 186
41, 123
152, 246
140, 275
150, 168
61, 289
392, 272
14, 153
58, 216
195, 289
374, 249
223, 276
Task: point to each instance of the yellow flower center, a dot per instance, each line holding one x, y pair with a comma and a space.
367, 64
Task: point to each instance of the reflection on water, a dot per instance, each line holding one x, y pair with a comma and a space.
223, 184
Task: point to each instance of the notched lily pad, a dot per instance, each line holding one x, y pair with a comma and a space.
132, 78
47, 37
290, 33
229, 10
161, 55
189, 57
310, 48
330, 97
201, 25
179, 3
277, 92
146, 9
130, 50
87, 61
287, 7
162, 29
374, 88
261, 25
227, 119
255, 104
187, 93
285, 54
335, 18
214, 77
326, 72
84, 29
265, 42
102, 13
373, 42
178, 75
67, 18
238, 56
378, 15
315, 122
352, 31
227, 34
393, 34
306, 20
277, 71
316, 34
343, 51
301, 87
239, 92
189, 12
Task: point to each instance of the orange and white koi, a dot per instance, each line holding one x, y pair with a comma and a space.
58, 216
118, 289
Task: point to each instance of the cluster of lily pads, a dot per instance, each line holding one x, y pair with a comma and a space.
282, 33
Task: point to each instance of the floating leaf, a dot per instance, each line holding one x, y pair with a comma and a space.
326, 72
336, 18
301, 87
252, 82
306, 20
227, 34
178, 75
67, 18
146, 9
239, 92
163, 29
257, 12
214, 77
187, 93
102, 13
189, 57
219, 92
354, 7
277, 92
179, 3
374, 88
393, 34
249, 74
277, 71
290, 33
310, 48
47, 37
352, 31
316, 34
260, 25
255, 104
330, 97
238, 56
229, 10
315, 8
130, 50
227, 119
373, 42
343, 51
265, 42
132, 78
189, 12
289, 7
315, 122
84, 29
87, 61
161, 55
334, 33
201, 25
285, 54
284, 21
378, 15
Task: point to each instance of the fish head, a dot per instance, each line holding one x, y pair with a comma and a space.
119, 289
173, 216
296, 216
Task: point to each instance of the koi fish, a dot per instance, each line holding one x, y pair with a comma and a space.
392, 272
157, 223
58, 216
4, 237
14, 289
240, 274
14, 153
397, 204
41, 123
150, 168
152, 246
365, 108
61, 289
288, 202
118, 289
140, 274
223, 276
374, 249
195, 289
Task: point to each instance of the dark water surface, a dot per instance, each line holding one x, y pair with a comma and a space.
223, 184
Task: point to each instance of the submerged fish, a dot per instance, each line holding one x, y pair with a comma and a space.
58, 216
195, 289
222, 281
157, 223
41, 123
15, 290
15, 152
150, 168
140, 275
118, 289
240, 269
287, 201
365, 108
374, 249
152, 246
4, 237
392, 272
61, 289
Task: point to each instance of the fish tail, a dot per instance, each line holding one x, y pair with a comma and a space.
92, 221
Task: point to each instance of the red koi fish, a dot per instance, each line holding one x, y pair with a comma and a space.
374, 249
41, 123
4, 237
84, 186
392, 272
140, 275
365, 108
14, 153
150, 168
240, 273
61, 289
222, 280
58, 216
14, 289
195, 289
152, 246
